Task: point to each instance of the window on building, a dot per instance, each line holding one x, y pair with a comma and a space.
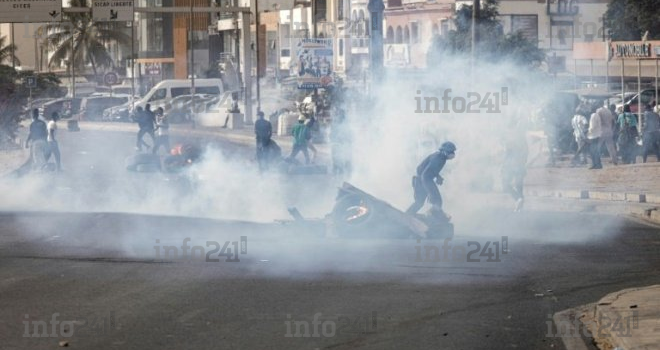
340, 10
398, 38
414, 32
390, 35
341, 47
200, 40
561, 35
406, 35
435, 30
527, 25
444, 26
285, 34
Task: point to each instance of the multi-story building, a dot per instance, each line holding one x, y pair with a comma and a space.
410, 26
294, 24
30, 52
556, 25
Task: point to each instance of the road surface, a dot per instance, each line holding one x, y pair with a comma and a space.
103, 280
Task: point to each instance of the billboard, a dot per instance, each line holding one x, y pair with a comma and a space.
112, 10
313, 63
30, 11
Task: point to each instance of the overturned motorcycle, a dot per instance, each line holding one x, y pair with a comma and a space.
357, 214
181, 157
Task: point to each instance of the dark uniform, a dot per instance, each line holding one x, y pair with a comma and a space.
38, 129
428, 174
263, 130
146, 121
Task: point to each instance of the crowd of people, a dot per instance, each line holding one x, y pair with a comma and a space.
603, 130
303, 133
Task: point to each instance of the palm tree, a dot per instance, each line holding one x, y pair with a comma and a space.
87, 37
7, 51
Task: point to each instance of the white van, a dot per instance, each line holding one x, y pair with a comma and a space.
161, 94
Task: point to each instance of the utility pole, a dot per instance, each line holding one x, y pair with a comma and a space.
192, 66
256, 39
73, 65
376, 9
13, 48
476, 9
133, 59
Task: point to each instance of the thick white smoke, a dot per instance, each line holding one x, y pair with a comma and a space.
389, 141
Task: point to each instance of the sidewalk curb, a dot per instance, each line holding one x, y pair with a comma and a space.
647, 213
234, 136
634, 197
566, 317
629, 317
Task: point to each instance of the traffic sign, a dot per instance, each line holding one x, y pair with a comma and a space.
30, 11
31, 82
112, 10
110, 78
152, 68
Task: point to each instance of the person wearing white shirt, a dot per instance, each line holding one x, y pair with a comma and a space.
162, 132
594, 135
607, 121
580, 125
52, 141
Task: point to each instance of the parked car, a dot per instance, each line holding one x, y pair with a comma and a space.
123, 90
92, 108
65, 107
178, 110
118, 113
163, 93
648, 97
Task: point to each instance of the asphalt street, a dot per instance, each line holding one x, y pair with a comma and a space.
74, 267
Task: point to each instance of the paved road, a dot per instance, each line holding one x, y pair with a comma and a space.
105, 281
94, 267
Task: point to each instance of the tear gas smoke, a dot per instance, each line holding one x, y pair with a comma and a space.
388, 143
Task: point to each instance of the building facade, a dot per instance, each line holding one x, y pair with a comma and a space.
410, 27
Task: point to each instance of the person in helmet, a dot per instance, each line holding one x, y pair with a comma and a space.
428, 175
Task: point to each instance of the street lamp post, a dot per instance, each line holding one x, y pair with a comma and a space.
476, 8
256, 39
192, 67
376, 9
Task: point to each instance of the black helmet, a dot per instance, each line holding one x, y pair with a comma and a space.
448, 147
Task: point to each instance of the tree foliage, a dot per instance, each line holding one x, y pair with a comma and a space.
88, 39
629, 20
14, 98
494, 46
6, 52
